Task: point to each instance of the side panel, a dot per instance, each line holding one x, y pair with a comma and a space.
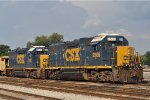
20, 61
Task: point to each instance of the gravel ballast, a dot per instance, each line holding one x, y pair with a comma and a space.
53, 94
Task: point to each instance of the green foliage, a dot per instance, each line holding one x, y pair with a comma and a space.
18, 48
45, 40
41, 40
146, 58
4, 50
29, 44
55, 37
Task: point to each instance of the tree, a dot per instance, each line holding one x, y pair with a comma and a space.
146, 58
29, 44
18, 48
55, 37
45, 40
4, 50
41, 41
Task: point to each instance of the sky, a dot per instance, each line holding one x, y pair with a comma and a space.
22, 21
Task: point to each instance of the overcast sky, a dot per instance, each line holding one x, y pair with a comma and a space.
22, 21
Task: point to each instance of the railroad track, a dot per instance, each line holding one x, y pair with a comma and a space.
115, 91
15, 95
6, 97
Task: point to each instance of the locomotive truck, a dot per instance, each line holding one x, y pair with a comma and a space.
106, 57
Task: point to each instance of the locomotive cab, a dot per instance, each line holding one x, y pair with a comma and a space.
40, 53
39, 58
105, 48
114, 51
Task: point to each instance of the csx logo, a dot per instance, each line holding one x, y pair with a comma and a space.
72, 54
20, 59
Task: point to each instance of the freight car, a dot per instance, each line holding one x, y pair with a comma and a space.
106, 57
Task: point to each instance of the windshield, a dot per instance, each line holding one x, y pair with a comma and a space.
31, 49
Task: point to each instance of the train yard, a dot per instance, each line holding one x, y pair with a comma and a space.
106, 65
25, 88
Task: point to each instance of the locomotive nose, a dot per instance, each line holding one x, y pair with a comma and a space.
125, 55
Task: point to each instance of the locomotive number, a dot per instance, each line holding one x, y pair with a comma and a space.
96, 54
72, 54
20, 59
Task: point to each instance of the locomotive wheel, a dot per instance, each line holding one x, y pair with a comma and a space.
101, 76
10, 73
49, 74
59, 75
33, 74
54, 75
109, 76
93, 76
104, 76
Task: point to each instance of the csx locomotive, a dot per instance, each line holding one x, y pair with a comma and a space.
106, 57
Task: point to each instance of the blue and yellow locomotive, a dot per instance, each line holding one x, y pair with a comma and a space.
106, 57
28, 63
